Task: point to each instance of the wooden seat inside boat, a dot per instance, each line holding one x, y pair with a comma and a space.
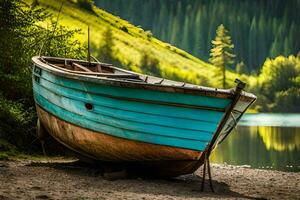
106, 70
91, 68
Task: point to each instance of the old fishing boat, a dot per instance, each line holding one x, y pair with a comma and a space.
110, 114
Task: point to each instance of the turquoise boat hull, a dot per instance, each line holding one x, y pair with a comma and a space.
160, 116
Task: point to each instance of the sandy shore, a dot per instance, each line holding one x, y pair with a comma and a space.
68, 179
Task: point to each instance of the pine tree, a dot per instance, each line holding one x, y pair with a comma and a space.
221, 54
275, 48
241, 68
86, 4
287, 46
252, 47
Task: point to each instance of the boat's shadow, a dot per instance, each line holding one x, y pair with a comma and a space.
182, 186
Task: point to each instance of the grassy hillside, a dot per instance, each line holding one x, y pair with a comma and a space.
131, 41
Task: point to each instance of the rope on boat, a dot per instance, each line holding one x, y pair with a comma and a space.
95, 59
234, 127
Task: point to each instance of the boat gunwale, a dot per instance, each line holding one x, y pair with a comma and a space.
196, 90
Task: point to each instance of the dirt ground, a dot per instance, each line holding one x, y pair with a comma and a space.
70, 179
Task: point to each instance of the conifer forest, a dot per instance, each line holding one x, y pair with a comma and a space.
259, 29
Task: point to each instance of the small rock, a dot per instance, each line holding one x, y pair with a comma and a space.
3, 197
111, 176
42, 196
3, 165
36, 188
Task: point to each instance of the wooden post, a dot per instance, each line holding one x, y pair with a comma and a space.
206, 165
209, 175
204, 174
89, 53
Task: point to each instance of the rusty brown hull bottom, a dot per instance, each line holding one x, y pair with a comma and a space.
157, 159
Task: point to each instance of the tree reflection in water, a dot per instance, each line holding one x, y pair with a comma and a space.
261, 147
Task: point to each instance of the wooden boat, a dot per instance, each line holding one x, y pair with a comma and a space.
113, 115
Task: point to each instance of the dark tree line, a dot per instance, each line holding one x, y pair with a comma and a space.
259, 29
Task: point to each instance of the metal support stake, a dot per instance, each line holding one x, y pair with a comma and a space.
43, 147
206, 165
204, 174
209, 175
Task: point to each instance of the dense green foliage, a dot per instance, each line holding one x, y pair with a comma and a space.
279, 84
221, 55
16, 122
21, 37
6, 150
259, 29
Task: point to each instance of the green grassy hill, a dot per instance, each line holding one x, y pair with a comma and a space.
131, 41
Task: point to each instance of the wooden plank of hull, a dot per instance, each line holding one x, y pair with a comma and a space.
170, 161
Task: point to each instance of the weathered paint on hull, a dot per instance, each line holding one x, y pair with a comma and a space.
189, 128
163, 160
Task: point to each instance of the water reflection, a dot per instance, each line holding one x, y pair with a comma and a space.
271, 119
261, 147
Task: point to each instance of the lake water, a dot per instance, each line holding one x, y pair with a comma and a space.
268, 141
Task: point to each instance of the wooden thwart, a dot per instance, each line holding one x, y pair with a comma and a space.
99, 68
78, 67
